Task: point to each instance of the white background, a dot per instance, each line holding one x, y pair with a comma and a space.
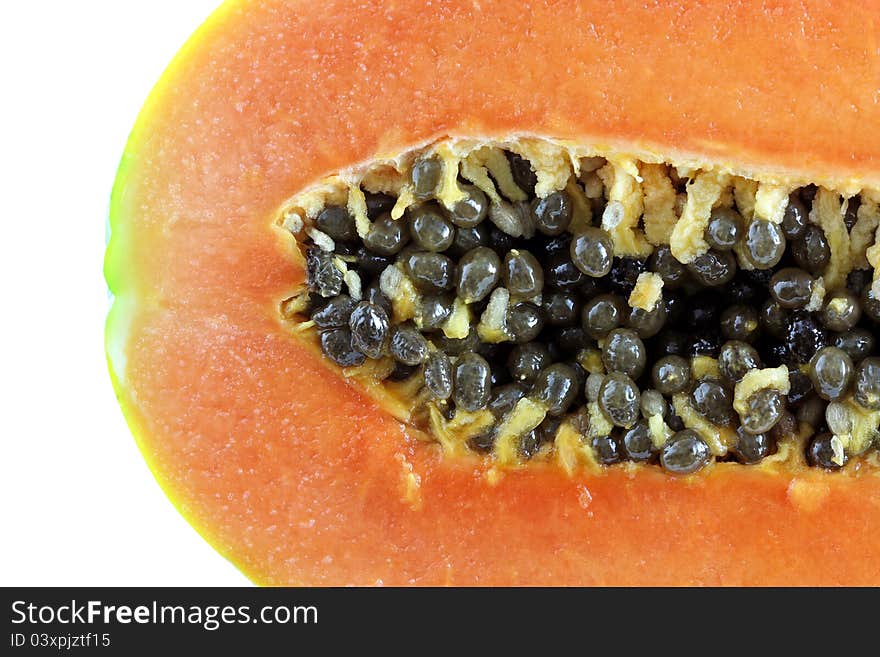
79, 506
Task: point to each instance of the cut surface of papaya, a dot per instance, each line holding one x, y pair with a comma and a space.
462, 294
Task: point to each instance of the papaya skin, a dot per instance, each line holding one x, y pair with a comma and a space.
292, 472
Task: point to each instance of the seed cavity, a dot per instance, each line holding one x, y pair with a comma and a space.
529, 301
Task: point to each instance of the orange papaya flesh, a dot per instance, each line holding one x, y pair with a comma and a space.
297, 475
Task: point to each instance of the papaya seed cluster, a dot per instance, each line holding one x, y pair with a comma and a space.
529, 316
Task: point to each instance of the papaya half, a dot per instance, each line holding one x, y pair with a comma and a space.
606, 280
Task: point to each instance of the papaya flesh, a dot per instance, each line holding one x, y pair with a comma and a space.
298, 475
